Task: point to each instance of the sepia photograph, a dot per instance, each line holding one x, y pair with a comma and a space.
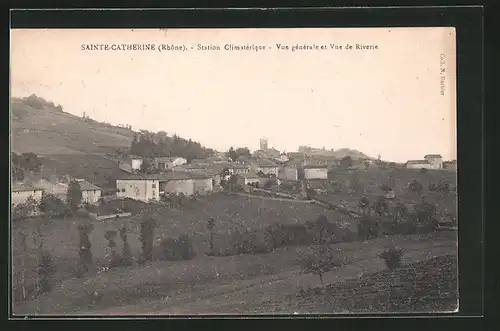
233, 171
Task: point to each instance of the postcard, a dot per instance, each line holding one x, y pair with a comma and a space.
233, 171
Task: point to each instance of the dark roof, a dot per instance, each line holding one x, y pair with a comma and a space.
417, 162
167, 176
167, 158
87, 186
21, 187
433, 155
266, 163
249, 175
314, 166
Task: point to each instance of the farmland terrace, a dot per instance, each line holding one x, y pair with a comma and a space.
236, 284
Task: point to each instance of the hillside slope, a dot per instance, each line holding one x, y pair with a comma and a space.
49, 131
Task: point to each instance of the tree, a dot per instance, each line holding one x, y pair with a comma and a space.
25, 209
232, 154
425, 212
381, 206
85, 252
364, 204
346, 162
210, 227
46, 270
243, 151
74, 195
401, 209
321, 224
22, 238
385, 188
320, 261
148, 225
110, 237
126, 253
415, 186
17, 173
51, 205
145, 166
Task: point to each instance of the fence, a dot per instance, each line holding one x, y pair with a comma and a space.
108, 216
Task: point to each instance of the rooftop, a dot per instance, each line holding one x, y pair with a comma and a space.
417, 162
166, 158
249, 175
315, 166
167, 176
433, 156
87, 186
22, 187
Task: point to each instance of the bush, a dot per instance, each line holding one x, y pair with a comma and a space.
368, 228
423, 170
283, 235
320, 261
392, 257
177, 249
249, 243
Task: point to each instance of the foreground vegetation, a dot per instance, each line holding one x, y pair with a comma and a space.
418, 287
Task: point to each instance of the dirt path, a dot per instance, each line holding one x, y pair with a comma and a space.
247, 296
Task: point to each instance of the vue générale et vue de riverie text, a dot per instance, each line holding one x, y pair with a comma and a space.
226, 47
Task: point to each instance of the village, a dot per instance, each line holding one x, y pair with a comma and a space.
163, 183
150, 189
154, 179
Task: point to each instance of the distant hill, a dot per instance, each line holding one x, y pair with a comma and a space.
44, 129
343, 152
70, 144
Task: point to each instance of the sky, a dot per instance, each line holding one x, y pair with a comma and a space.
385, 101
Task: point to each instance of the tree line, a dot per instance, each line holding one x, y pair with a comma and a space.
149, 144
24, 163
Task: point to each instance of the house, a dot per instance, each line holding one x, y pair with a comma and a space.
90, 192
131, 163
288, 173
164, 163
267, 167
269, 153
314, 172
450, 165
435, 160
153, 186
237, 168
57, 188
418, 164
247, 179
20, 193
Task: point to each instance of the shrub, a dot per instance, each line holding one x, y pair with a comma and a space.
177, 249
283, 235
392, 257
148, 225
126, 253
425, 213
46, 270
368, 228
385, 188
85, 252
423, 170
381, 206
249, 243
320, 261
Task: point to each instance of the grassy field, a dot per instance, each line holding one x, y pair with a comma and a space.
50, 132
235, 284
232, 213
426, 286
95, 168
